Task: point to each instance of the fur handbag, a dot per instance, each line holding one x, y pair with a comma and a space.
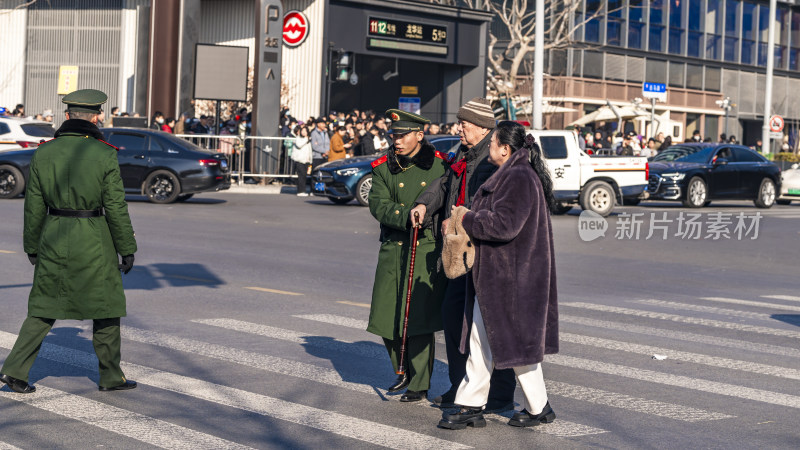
458, 251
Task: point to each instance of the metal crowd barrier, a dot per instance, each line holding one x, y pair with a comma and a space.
252, 157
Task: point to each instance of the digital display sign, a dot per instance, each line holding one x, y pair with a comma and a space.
398, 29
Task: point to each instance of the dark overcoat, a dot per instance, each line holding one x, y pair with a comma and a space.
391, 198
77, 274
514, 275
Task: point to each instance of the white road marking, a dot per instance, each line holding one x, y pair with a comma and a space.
707, 309
7, 446
622, 401
363, 430
120, 421
273, 291
683, 319
682, 336
714, 361
697, 384
790, 298
752, 303
335, 320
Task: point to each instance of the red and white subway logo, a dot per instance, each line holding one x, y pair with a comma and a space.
295, 28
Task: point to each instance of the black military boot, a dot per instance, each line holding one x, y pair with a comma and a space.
400, 383
460, 420
414, 396
17, 385
525, 419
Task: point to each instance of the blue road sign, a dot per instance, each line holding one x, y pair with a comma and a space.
655, 88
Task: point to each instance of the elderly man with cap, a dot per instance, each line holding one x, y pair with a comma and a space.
76, 223
398, 177
470, 168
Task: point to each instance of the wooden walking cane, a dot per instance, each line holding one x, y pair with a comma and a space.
415, 232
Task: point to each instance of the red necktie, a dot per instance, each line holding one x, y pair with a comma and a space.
460, 168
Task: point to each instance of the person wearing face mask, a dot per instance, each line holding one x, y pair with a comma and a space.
398, 177
158, 120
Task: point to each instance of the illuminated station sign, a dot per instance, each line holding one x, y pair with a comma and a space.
393, 34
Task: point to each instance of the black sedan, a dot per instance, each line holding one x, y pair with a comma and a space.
152, 163
345, 179
699, 173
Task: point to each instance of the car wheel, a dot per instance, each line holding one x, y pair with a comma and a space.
12, 183
561, 208
696, 193
363, 187
783, 202
340, 201
162, 186
184, 197
598, 197
766, 194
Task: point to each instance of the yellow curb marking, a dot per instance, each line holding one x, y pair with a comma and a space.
363, 305
274, 291
6, 251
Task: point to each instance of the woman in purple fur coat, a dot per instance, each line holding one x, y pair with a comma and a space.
511, 317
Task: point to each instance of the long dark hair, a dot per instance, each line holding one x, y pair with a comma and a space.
513, 134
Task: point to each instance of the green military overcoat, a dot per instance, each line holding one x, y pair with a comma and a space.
77, 274
391, 199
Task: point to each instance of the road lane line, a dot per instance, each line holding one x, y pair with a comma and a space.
713, 361
752, 303
274, 291
363, 305
7, 251
605, 398
7, 446
335, 320
682, 336
790, 298
120, 421
696, 384
706, 309
637, 404
682, 319
363, 430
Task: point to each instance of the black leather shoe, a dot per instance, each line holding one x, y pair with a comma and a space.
414, 396
128, 384
16, 385
498, 406
525, 419
400, 383
463, 418
446, 400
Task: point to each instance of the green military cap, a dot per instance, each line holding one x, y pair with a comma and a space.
404, 122
85, 100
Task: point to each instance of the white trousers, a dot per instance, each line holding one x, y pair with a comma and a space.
474, 389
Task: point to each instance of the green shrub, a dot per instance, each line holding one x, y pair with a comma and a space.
786, 156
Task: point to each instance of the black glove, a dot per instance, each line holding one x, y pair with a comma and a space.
33, 258
127, 264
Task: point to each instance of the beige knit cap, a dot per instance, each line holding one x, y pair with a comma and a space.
477, 111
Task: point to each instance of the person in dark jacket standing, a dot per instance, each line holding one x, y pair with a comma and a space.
397, 179
76, 223
511, 295
470, 169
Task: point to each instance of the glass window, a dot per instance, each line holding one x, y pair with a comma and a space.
694, 153
713, 79
636, 20
731, 49
592, 65
676, 75
676, 41
4, 129
748, 49
712, 126
554, 147
676, 13
592, 27
731, 10
656, 39
658, 12
656, 71
713, 46
127, 141
38, 130
695, 15
745, 155
694, 76
695, 45
713, 17
748, 21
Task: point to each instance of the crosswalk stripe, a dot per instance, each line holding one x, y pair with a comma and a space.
752, 303
714, 361
605, 398
682, 319
120, 421
790, 298
363, 430
335, 320
697, 384
682, 336
7, 446
645, 406
707, 309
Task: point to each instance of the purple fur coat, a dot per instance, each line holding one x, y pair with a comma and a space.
514, 275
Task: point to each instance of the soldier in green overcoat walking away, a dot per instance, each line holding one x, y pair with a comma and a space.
76, 223
398, 177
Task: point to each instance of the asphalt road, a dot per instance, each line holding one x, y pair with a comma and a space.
246, 318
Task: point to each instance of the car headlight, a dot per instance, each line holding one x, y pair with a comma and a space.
347, 172
674, 176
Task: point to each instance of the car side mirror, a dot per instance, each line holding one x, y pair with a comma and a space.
721, 162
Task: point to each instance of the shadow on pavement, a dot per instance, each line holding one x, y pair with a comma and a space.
156, 276
194, 200
791, 319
